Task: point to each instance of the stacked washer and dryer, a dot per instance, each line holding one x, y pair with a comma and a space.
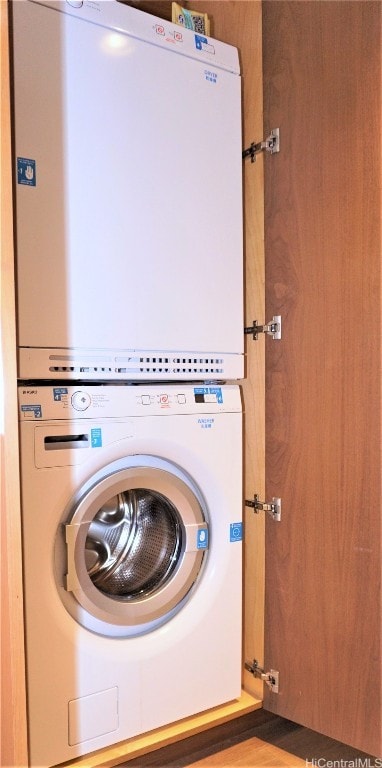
127, 138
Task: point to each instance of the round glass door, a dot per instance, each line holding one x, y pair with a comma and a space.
136, 538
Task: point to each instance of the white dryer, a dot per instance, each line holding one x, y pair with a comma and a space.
128, 187
131, 508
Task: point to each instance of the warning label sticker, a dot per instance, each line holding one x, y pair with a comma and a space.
202, 538
31, 411
96, 436
26, 171
236, 531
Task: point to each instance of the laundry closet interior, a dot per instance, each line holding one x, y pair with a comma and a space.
311, 399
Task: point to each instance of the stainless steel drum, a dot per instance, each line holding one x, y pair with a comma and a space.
133, 544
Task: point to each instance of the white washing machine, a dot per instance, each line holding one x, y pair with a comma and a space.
132, 509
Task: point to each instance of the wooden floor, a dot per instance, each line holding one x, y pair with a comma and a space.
257, 739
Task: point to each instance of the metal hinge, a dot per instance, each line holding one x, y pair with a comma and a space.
271, 678
271, 144
273, 507
272, 329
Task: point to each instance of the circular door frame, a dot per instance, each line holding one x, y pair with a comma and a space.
135, 615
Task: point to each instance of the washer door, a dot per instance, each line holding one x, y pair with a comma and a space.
136, 540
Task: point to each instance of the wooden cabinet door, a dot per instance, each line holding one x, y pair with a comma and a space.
322, 88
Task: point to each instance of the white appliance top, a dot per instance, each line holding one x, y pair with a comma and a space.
125, 19
47, 402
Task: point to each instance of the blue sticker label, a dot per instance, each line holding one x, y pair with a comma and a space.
30, 411
236, 532
199, 40
202, 44
96, 436
26, 171
217, 391
58, 392
208, 394
202, 538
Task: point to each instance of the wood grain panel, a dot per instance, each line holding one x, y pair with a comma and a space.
160, 8
13, 706
240, 24
322, 80
259, 739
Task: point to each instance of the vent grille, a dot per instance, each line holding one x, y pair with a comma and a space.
80, 369
175, 365
126, 365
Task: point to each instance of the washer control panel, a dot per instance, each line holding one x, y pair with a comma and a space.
42, 402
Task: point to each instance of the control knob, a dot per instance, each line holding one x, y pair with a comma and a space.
80, 400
